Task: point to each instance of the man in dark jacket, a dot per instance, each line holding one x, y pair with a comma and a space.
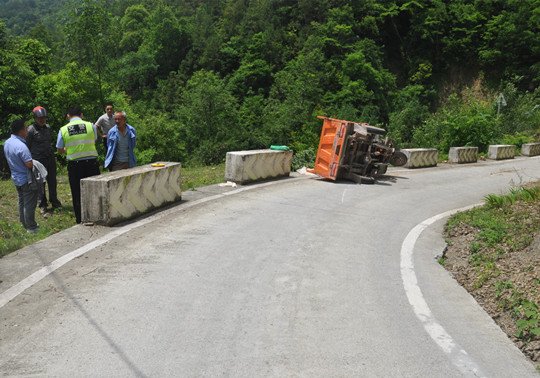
39, 142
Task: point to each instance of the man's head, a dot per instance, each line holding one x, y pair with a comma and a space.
74, 111
120, 118
19, 128
109, 109
40, 115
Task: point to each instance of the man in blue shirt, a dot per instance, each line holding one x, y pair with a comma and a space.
121, 141
20, 163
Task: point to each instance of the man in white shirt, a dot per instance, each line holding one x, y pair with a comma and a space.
105, 123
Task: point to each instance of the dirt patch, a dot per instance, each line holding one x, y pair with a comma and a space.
494, 252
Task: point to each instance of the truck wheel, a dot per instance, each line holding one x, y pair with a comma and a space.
398, 159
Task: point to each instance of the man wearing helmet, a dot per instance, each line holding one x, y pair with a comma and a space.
39, 142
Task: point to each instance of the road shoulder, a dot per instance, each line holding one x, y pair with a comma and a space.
462, 317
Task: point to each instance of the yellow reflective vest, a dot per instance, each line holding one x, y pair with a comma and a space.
79, 140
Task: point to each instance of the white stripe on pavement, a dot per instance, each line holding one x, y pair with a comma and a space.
436, 331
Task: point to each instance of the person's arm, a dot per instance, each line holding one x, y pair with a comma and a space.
26, 157
99, 127
96, 135
60, 144
30, 137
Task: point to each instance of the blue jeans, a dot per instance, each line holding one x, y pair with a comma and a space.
28, 195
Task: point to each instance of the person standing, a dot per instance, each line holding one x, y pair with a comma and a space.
105, 123
121, 144
39, 141
20, 163
77, 140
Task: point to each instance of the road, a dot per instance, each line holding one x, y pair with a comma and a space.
301, 278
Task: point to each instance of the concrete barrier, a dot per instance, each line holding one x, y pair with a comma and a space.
117, 196
530, 149
421, 157
247, 166
463, 155
501, 151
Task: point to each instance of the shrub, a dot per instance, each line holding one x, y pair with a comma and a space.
465, 121
410, 111
522, 113
304, 158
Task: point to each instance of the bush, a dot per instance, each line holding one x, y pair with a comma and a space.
522, 113
158, 138
517, 139
305, 158
466, 121
410, 111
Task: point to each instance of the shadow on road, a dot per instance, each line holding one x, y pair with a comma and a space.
104, 335
387, 180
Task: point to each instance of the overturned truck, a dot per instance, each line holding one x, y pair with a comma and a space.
354, 151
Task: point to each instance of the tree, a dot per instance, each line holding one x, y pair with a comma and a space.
73, 85
90, 39
134, 24
16, 83
209, 116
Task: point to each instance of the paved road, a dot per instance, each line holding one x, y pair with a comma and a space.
301, 278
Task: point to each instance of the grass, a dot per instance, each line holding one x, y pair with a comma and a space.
13, 236
197, 176
505, 224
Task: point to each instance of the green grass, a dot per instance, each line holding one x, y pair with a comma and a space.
505, 224
13, 236
195, 177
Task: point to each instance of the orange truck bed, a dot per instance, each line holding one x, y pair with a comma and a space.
333, 135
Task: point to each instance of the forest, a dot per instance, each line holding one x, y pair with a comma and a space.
199, 78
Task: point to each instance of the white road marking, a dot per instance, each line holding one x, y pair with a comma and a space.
343, 195
436, 331
40, 274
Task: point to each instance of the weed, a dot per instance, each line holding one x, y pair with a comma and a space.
494, 201
501, 287
528, 323
487, 271
475, 247
442, 260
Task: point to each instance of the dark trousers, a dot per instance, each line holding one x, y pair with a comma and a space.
50, 166
105, 145
77, 170
118, 166
28, 194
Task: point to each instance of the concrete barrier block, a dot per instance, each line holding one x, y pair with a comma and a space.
421, 157
501, 151
117, 196
530, 149
463, 155
246, 166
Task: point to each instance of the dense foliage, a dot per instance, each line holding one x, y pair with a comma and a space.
198, 78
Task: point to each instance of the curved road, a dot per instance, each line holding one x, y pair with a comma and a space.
300, 278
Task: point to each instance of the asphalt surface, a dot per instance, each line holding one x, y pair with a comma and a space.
299, 278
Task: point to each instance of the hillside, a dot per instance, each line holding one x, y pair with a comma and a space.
23, 15
198, 78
